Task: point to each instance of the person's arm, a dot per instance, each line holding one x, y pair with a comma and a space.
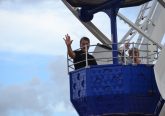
68, 43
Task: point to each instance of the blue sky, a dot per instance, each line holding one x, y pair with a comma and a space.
33, 73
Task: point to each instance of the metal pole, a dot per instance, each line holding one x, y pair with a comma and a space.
147, 54
133, 53
157, 52
67, 63
124, 55
113, 14
86, 55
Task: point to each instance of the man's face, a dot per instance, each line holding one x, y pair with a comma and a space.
83, 44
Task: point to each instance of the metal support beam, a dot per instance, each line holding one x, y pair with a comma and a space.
112, 13
89, 25
162, 2
138, 29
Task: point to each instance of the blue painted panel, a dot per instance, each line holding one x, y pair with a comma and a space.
112, 89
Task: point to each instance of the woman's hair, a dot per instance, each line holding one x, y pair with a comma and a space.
135, 50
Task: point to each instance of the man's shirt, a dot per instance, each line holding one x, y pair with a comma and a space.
80, 59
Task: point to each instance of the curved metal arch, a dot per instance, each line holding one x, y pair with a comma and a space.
95, 3
82, 3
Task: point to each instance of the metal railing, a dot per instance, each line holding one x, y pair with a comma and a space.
147, 56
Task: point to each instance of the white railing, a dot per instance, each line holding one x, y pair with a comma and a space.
146, 56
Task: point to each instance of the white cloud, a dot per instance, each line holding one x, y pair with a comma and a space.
43, 98
39, 30
60, 107
38, 97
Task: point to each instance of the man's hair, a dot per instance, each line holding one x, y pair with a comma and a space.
84, 38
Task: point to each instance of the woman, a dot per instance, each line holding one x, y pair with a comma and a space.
134, 56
